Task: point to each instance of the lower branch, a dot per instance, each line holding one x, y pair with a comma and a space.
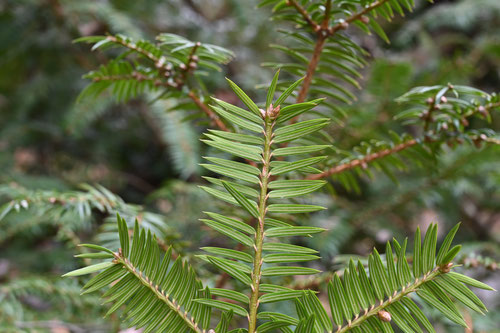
160, 294
396, 297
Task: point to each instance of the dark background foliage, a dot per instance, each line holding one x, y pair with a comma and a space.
149, 157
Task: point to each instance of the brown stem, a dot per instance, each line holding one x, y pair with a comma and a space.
311, 68
215, 119
356, 16
318, 48
369, 158
304, 14
326, 18
160, 62
190, 64
363, 161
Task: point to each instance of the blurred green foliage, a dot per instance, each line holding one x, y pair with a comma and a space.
49, 144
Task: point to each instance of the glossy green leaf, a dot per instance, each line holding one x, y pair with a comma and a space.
291, 166
299, 150
288, 270
272, 89
417, 255
288, 92
249, 206
293, 209
95, 256
96, 247
231, 270
335, 308
90, 269
229, 232
451, 254
244, 97
294, 192
233, 173
257, 119
240, 187
291, 183
232, 222
237, 149
294, 110
443, 250
288, 257
292, 231
223, 306
243, 138
280, 296
243, 123
230, 294
429, 248
470, 281
229, 253
282, 247
298, 130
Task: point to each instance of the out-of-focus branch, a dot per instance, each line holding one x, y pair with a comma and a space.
324, 32
357, 16
213, 117
304, 14
364, 161
311, 68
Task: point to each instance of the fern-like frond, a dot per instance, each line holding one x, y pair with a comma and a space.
147, 66
59, 294
258, 190
70, 211
442, 112
157, 294
320, 49
364, 301
170, 68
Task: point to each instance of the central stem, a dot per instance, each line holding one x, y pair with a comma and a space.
259, 236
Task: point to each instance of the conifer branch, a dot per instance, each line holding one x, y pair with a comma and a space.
160, 62
304, 13
427, 118
357, 16
363, 161
323, 33
395, 298
159, 293
311, 68
259, 235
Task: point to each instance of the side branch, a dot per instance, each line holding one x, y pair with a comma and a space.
363, 161
213, 117
356, 16
304, 14
159, 293
160, 63
311, 68
322, 31
396, 297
